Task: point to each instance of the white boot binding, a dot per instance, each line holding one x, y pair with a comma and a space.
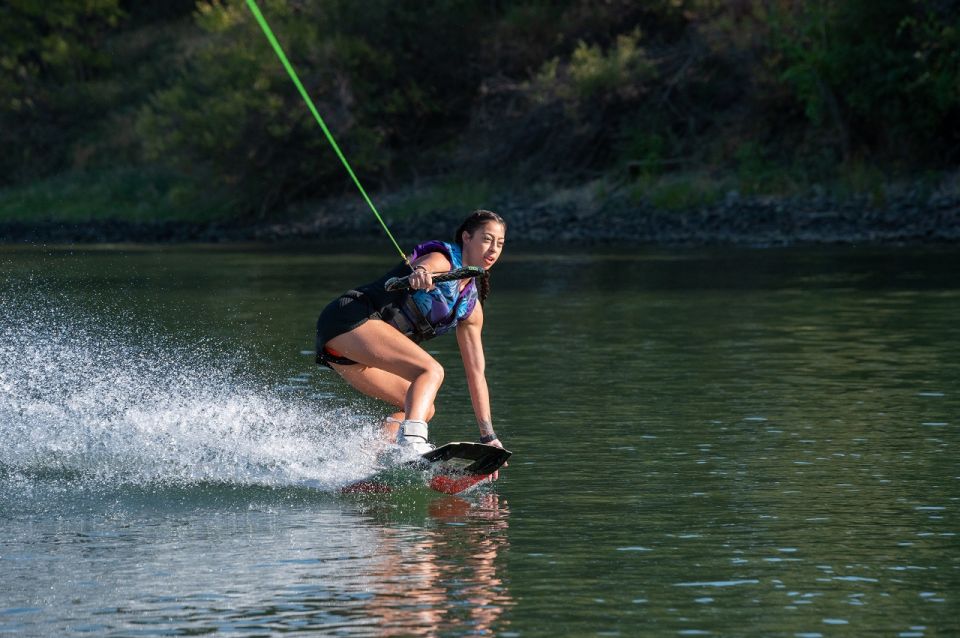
413, 435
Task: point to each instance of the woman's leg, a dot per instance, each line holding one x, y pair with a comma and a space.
382, 385
391, 368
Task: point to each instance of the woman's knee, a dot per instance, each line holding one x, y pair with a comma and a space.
437, 371
427, 369
433, 371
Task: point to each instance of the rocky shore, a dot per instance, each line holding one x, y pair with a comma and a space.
572, 218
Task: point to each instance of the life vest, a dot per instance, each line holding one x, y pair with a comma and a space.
435, 312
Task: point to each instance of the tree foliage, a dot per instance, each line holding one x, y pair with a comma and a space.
50, 61
565, 89
872, 75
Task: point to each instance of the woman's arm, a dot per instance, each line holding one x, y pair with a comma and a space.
424, 267
474, 364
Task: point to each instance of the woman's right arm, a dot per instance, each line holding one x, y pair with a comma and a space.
423, 268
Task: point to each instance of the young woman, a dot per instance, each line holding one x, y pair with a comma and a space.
370, 336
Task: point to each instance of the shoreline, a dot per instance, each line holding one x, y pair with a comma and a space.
570, 217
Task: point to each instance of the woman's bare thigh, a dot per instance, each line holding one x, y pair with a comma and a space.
375, 383
377, 344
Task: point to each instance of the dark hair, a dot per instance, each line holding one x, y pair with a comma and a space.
477, 219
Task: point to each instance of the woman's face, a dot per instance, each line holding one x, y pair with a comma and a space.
484, 246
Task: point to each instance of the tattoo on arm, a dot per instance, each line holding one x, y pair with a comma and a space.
486, 427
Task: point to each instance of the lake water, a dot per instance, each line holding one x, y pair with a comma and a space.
706, 442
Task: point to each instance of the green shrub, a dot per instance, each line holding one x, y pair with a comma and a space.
644, 151
677, 192
49, 58
459, 194
874, 77
595, 72
129, 194
859, 178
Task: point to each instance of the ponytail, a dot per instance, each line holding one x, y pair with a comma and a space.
477, 219
483, 287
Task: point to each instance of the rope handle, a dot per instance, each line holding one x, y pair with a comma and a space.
464, 272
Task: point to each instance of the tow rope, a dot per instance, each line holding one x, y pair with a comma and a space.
316, 115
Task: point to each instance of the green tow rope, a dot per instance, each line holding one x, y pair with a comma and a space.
313, 109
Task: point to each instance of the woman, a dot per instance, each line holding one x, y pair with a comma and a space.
370, 336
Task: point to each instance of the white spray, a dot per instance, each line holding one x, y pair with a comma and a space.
106, 406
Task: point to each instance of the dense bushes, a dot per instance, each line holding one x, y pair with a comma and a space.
391, 85
876, 76
51, 67
565, 90
803, 87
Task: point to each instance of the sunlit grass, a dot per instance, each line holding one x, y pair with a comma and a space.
128, 194
460, 193
677, 191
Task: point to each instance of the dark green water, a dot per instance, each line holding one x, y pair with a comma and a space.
727, 442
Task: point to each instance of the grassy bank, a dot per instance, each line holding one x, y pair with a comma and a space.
155, 196
854, 182
130, 195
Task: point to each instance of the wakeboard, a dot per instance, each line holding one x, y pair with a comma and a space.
449, 469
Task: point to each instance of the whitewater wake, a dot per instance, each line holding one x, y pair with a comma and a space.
101, 404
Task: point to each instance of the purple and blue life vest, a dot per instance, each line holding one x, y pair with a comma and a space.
445, 305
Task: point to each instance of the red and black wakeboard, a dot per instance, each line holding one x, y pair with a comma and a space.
450, 469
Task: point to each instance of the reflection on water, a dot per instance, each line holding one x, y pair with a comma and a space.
446, 576
204, 560
706, 443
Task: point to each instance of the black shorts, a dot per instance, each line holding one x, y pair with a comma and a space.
343, 314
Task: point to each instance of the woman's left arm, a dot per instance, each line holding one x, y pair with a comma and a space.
471, 350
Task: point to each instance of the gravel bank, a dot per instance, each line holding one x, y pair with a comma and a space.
756, 221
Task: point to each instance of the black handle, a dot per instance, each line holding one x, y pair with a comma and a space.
464, 272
